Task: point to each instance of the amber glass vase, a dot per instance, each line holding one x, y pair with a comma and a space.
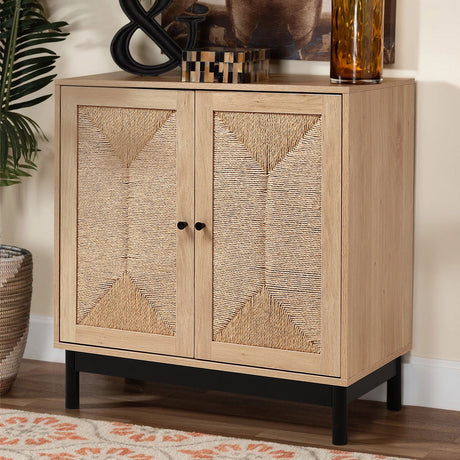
357, 41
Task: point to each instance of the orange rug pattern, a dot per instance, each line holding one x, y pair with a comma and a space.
27, 435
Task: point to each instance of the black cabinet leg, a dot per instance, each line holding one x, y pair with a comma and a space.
339, 416
394, 388
72, 382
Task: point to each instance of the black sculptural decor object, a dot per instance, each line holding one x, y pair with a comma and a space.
145, 20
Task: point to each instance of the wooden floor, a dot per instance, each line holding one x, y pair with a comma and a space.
415, 432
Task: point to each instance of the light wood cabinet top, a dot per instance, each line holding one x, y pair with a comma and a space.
276, 83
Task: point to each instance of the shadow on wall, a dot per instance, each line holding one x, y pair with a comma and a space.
437, 222
99, 18
407, 36
26, 216
93, 24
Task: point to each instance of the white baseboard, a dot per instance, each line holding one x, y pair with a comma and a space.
426, 382
40, 341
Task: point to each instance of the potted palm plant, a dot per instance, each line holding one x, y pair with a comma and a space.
26, 67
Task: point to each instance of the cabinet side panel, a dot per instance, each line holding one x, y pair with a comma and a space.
378, 226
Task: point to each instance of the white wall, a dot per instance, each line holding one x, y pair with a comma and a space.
427, 49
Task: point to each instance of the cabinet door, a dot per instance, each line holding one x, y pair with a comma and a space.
126, 271
268, 188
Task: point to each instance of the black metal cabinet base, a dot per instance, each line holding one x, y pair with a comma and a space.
289, 390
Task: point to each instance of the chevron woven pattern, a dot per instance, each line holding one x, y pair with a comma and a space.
127, 191
267, 230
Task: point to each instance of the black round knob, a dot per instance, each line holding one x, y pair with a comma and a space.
199, 226
181, 225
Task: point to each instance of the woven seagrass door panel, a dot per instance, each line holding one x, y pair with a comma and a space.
126, 180
268, 175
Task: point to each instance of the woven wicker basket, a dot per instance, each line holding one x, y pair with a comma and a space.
15, 295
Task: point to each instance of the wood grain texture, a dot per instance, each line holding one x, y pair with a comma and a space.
377, 241
57, 206
277, 83
186, 213
204, 133
331, 237
208, 364
367, 299
414, 432
182, 343
209, 191
68, 218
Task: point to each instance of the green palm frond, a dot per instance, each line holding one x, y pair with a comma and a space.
26, 67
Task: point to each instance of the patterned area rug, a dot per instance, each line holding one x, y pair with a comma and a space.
27, 435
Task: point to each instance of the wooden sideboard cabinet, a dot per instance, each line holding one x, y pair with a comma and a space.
253, 238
